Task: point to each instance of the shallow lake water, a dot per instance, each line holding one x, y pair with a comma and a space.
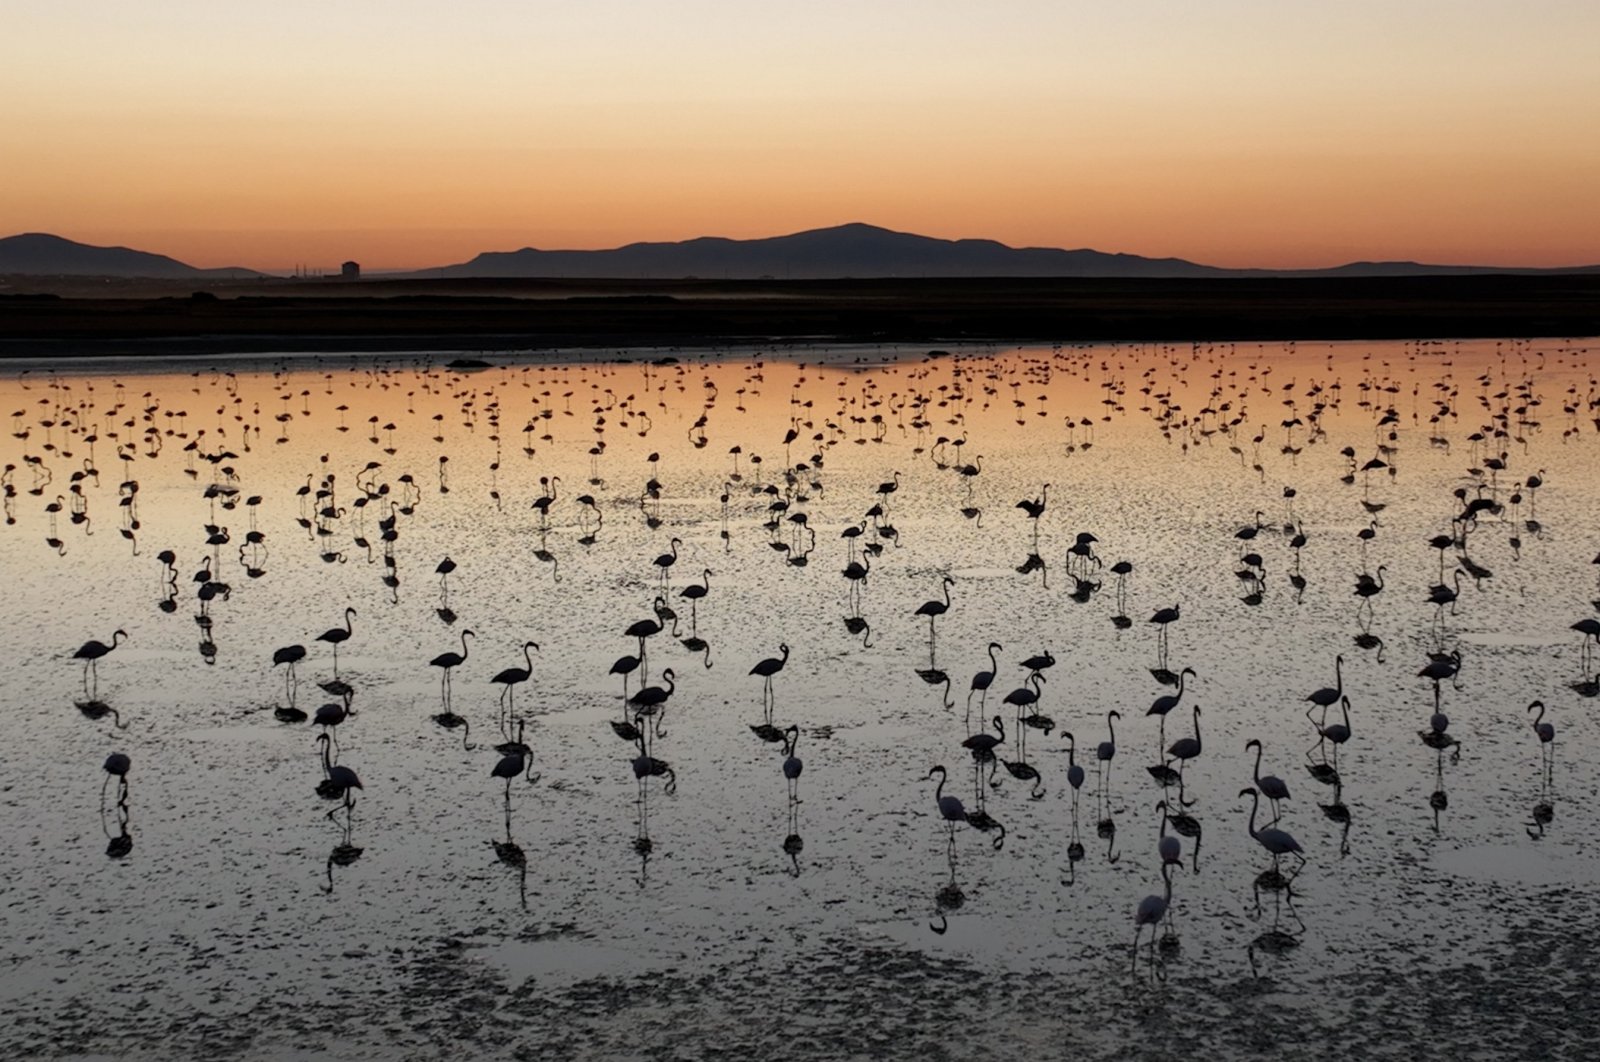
211, 903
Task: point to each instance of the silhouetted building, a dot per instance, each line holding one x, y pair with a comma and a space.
350, 271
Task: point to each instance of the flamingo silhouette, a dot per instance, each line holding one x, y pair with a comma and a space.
449, 662
90, 653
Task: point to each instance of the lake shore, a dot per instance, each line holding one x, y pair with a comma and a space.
40, 318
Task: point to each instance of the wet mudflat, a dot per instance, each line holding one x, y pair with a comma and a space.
644, 874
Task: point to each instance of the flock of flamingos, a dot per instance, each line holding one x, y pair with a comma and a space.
350, 506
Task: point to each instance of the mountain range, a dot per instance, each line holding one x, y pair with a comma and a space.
861, 251
844, 251
41, 254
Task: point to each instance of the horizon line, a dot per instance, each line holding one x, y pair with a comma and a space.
302, 268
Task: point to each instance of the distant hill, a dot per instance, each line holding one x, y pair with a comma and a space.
41, 254
858, 250
854, 250
1418, 269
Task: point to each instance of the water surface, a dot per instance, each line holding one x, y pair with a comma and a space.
220, 911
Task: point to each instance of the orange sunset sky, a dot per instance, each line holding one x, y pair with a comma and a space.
408, 134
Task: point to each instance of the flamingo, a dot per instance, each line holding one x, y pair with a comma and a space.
1546, 731
1589, 627
1368, 587
1185, 749
544, 501
982, 743
646, 628
338, 779
650, 698
1075, 773
511, 677
982, 680
90, 653
625, 666
330, 715
1273, 787
934, 609
694, 592
1443, 595
1338, 733
768, 668
888, 488
1274, 840
1039, 662
1168, 847
1328, 696
1547, 735
291, 655
448, 662
512, 764
1034, 507
1075, 778
1152, 909
335, 635
950, 808
1439, 669
1162, 618
1026, 694
646, 766
791, 763
1437, 735
665, 561
1106, 751
116, 766
1166, 703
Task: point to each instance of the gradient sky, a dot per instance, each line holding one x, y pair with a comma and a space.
406, 133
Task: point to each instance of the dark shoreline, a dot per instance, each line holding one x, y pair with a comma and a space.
83, 318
